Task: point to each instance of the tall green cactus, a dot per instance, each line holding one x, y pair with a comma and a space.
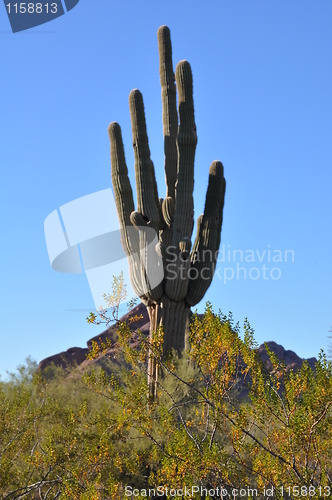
165, 272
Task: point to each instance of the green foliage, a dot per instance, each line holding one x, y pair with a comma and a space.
220, 419
110, 313
58, 436
203, 428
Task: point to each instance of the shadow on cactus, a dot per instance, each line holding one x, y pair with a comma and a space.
166, 271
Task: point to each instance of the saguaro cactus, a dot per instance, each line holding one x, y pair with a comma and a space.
157, 237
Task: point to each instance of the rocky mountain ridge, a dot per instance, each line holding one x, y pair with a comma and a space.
77, 355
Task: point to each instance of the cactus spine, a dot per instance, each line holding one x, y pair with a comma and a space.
157, 236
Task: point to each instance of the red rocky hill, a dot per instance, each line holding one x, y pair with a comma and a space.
77, 355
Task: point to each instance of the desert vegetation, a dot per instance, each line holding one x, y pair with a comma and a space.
221, 422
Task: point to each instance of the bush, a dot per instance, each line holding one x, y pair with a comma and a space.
220, 422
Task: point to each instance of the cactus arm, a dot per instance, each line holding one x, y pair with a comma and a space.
170, 130
121, 184
170, 115
183, 221
205, 250
168, 210
148, 205
122, 189
147, 196
194, 252
125, 205
186, 140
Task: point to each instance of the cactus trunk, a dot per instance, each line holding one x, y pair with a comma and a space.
174, 318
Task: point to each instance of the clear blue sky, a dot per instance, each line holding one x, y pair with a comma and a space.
263, 105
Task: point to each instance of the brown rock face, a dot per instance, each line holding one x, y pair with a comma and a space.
74, 355
77, 355
291, 359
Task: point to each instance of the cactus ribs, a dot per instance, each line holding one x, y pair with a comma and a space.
169, 221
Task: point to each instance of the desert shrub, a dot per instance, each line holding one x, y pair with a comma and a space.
221, 421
